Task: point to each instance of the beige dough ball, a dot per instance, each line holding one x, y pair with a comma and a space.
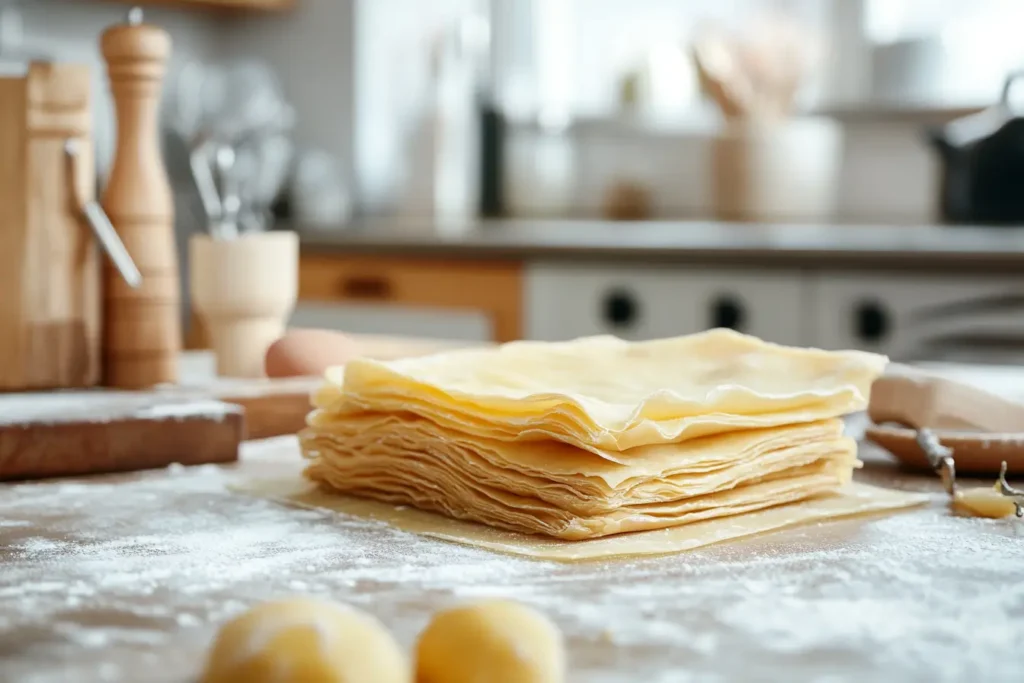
496, 641
305, 641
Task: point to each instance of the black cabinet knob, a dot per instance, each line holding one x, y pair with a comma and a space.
620, 308
728, 311
871, 321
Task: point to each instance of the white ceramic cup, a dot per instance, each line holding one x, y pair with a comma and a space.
244, 290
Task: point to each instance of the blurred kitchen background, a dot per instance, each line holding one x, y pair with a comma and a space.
837, 173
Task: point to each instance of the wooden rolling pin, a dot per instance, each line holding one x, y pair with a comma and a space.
142, 326
984, 429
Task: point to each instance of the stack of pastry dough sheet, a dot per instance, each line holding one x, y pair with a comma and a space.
589, 438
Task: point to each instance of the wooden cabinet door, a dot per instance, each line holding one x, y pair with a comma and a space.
492, 288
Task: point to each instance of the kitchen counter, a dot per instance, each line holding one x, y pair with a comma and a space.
869, 247
126, 578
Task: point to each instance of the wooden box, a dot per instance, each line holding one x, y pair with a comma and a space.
49, 262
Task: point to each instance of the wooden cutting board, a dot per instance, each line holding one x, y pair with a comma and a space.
272, 407
90, 432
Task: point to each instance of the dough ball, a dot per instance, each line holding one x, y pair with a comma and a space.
496, 641
305, 641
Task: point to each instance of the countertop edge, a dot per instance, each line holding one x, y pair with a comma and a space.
720, 256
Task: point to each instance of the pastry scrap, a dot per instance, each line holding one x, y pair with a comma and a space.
595, 437
1002, 500
982, 502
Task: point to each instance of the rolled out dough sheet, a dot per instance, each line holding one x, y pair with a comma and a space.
855, 499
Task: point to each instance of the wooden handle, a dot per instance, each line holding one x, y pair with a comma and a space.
142, 330
366, 287
917, 400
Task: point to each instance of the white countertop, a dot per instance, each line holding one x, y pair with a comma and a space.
126, 578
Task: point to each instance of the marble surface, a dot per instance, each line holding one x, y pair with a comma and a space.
126, 578
866, 246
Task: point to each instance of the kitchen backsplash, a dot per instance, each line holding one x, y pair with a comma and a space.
338, 61
309, 49
69, 30
888, 174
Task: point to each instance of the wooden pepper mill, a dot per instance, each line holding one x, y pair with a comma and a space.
142, 326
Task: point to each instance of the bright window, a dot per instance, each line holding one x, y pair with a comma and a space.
912, 52
946, 51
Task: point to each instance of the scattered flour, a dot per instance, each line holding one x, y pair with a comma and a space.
107, 578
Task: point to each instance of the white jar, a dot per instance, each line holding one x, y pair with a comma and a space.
777, 171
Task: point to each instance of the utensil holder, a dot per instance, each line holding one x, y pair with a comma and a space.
243, 290
777, 171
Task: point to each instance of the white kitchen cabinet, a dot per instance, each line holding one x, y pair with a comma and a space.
565, 300
395, 320
920, 317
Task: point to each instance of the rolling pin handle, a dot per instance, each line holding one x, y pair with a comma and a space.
100, 223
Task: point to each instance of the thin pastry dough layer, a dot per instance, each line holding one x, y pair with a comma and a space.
595, 437
605, 393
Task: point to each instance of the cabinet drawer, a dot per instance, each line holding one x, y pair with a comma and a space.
492, 287
920, 317
566, 301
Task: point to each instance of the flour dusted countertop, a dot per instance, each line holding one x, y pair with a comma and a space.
861, 246
126, 578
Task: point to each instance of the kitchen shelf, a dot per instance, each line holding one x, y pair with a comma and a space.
898, 113
220, 5
703, 122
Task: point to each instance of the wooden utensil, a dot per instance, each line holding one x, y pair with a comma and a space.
79, 433
142, 326
49, 266
975, 453
719, 78
982, 428
919, 399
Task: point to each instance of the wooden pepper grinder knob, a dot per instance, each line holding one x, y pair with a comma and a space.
142, 326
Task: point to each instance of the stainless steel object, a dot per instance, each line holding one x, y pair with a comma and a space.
235, 123
939, 457
1009, 491
206, 184
100, 223
941, 460
230, 200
